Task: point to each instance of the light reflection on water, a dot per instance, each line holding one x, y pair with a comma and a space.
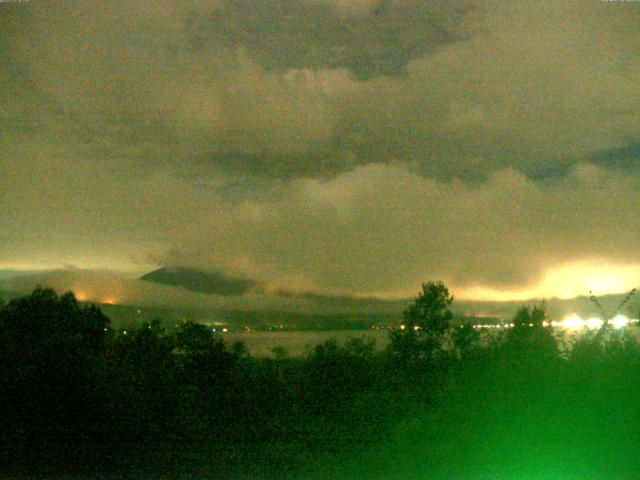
297, 343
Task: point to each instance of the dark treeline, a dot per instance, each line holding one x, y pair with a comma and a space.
79, 398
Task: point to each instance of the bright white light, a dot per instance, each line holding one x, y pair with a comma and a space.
573, 322
594, 323
568, 280
619, 321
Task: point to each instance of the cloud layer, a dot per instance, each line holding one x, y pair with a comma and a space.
380, 227
333, 145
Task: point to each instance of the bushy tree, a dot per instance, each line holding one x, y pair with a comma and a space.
465, 339
530, 336
139, 391
426, 322
431, 310
51, 362
529, 317
335, 372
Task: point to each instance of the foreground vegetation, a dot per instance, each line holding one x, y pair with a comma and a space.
79, 398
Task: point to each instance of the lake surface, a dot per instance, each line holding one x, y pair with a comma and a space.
297, 343
261, 344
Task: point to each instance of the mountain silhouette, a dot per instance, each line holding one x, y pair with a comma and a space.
215, 282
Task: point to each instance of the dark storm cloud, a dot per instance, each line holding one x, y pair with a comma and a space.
256, 87
627, 157
197, 281
260, 88
286, 34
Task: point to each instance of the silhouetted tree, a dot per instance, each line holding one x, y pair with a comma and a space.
527, 318
51, 363
280, 352
139, 391
335, 372
522, 319
426, 321
530, 336
465, 338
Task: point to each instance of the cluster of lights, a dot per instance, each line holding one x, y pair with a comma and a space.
572, 322
575, 322
415, 327
492, 325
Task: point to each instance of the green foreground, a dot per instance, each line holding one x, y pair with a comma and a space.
80, 400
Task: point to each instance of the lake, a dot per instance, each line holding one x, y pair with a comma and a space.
296, 343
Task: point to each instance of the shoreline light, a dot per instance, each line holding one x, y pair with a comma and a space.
594, 323
575, 322
619, 321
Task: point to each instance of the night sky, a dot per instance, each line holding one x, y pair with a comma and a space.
355, 147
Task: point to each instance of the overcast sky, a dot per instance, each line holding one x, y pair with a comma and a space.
337, 146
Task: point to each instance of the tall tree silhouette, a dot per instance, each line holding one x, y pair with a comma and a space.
426, 321
51, 362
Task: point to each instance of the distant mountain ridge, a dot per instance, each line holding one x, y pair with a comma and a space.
7, 273
222, 284
214, 283
185, 289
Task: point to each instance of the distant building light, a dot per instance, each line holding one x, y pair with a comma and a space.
594, 323
619, 321
573, 322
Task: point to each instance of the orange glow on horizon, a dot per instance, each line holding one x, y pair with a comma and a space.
80, 295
